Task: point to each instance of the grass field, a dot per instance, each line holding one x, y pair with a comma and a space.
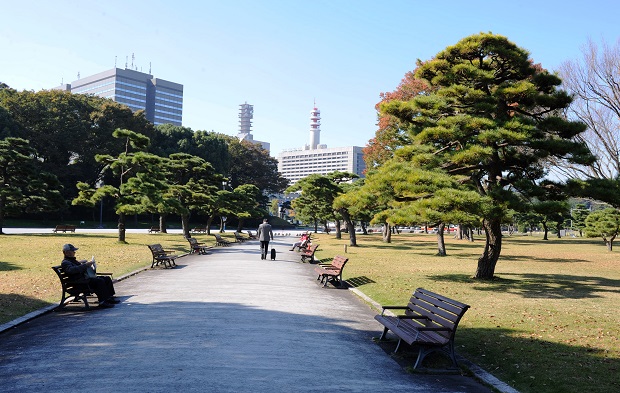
548, 323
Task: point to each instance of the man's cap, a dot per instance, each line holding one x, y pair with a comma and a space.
69, 247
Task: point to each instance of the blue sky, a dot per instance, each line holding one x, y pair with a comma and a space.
281, 55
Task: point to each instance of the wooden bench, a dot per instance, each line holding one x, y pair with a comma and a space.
252, 237
220, 241
161, 256
74, 290
331, 271
200, 248
64, 228
430, 321
309, 253
153, 229
199, 230
239, 238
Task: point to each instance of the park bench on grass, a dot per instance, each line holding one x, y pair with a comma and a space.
331, 271
161, 256
220, 241
199, 230
252, 237
200, 248
74, 290
309, 253
153, 229
239, 238
430, 321
64, 228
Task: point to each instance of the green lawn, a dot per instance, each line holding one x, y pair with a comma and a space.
548, 323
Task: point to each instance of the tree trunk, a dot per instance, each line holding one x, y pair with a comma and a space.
240, 225
559, 229
338, 231
387, 233
492, 249
185, 225
121, 227
544, 224
209, 222
460, 230
610, 243
2, 215
441, 244
325, 227
350, 227
363, 225
316, 226
162, 223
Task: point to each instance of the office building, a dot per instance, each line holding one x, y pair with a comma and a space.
161, 100
295, 164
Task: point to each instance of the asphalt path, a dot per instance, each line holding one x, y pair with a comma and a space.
223, 322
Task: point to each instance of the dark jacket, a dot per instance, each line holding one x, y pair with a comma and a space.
73, 268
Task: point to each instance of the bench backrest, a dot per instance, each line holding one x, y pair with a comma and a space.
440, 310
67, 284
156, 249
312, 249
338, 262
192, 241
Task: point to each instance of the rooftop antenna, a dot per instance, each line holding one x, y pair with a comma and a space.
126, 59
78, 74
149, 67
132, 58
114, 61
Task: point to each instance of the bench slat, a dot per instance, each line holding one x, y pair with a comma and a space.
435, 328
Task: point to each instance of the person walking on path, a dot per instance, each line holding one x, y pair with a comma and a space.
265, 233
77, 270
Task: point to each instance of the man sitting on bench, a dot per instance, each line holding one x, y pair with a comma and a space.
76, 270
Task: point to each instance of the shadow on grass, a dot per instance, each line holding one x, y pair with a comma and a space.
543, 286
13, 306
8, 266
359, 281
568, 368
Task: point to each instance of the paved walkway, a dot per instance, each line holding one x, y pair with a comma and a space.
223, 322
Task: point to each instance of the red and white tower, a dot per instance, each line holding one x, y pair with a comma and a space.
315, 128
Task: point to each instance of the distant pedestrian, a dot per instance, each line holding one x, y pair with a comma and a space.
265, 233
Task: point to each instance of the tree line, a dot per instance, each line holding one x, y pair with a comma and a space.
471, 136
62, 153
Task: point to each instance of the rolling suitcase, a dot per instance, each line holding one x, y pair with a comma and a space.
273, 254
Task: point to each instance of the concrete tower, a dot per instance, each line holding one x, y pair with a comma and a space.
315, 128
246, 113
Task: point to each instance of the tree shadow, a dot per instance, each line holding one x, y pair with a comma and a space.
539, 286
13, 306
496, 344
8, 266
217, 346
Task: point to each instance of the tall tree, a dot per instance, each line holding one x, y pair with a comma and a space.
24, 187
136, 190
491, 121
251, 164
389, 135
594, 82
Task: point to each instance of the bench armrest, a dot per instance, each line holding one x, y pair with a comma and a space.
394, 308
104, 274
434, 329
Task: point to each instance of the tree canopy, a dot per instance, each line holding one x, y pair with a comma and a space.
491, 120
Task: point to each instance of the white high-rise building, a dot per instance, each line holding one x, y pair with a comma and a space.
295, 164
